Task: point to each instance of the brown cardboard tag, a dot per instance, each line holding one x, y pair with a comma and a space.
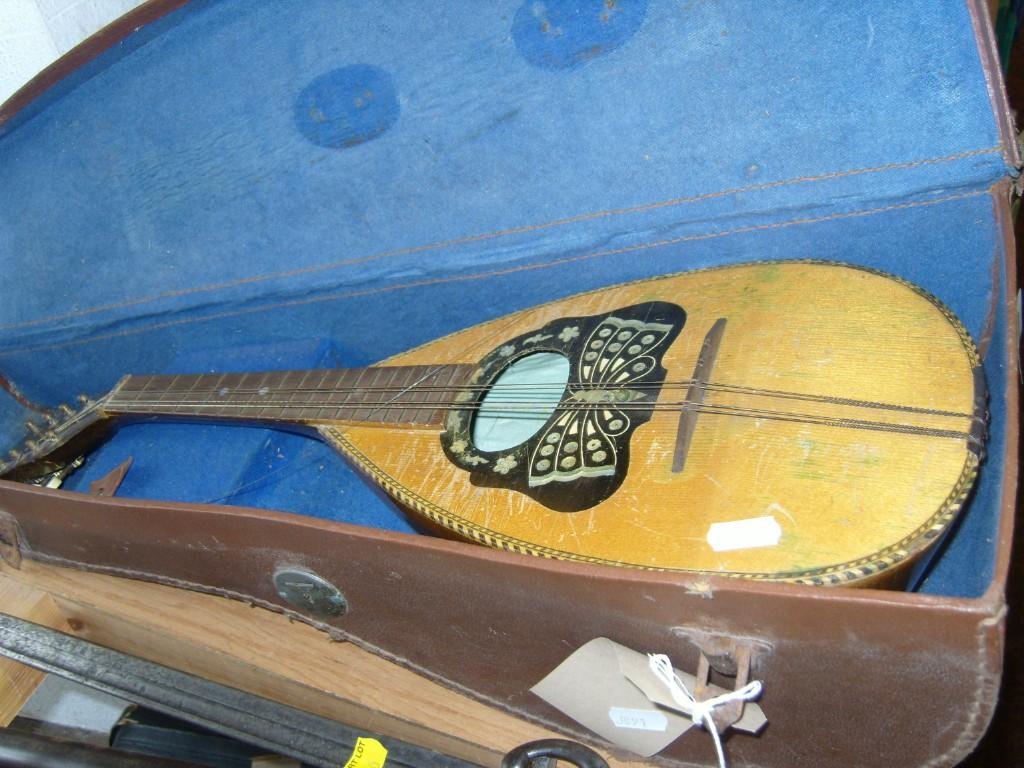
611, 690
591, 688
637, 670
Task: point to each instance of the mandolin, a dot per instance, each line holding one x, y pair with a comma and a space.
792, 421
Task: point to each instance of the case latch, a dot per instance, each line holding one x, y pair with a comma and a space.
726, 657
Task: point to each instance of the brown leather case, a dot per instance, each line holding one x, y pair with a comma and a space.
843, 669
921, 672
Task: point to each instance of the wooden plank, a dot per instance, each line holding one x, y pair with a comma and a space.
266, 654
17, 681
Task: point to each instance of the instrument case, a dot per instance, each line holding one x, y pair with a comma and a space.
191, 189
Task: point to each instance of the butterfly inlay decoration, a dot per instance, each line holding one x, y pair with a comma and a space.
581, 454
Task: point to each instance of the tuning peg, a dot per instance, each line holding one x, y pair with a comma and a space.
14, 456
66, 410
34, 428
32, 445
50, 419
83, 399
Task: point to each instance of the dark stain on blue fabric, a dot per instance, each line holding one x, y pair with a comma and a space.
347, 106
563, 34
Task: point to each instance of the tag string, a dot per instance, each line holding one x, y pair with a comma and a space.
700, 711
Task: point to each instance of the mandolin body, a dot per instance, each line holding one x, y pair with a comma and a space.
849, 425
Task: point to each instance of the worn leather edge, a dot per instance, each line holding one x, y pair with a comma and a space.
991, 631
991, 67
982, 705
1001, 195
959, 616
979, 709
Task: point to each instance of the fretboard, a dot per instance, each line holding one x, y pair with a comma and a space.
412, 394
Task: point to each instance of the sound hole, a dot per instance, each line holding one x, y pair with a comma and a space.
520, 401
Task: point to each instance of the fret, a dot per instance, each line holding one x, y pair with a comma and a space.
374, 395
144, 393
347, 388
243, 387
213, 390
303, 397
425, 376
261, 392
283, 395
338, 392
375, 398
290, 397
359, 395
189, 391
385, 410
410, 381
317, 396
426, 394
147, 381
225, 394
442, 380
270, 406
160, 399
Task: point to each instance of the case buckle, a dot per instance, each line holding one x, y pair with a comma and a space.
728, 657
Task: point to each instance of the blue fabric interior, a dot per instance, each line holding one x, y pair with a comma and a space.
243, 186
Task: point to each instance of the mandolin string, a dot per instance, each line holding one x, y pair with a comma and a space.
515, 389
709, 408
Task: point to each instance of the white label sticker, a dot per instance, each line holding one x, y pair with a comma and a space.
744, 534
638, 719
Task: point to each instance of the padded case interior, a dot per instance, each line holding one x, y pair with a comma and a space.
246, 186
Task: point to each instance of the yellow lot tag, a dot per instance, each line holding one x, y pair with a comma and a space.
368, 753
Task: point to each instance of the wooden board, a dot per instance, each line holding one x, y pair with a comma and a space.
17, 681
266, 654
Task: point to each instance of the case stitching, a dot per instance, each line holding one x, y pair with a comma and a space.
498, 272
590, 216
983, 700
338, 635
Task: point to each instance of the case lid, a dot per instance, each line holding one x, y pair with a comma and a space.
232, 152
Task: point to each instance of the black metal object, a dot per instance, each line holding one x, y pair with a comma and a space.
19, 749
277, 727
147, 732
539, 754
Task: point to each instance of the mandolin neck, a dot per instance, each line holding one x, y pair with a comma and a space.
413, 395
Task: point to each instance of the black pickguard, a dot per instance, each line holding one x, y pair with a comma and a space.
581, 455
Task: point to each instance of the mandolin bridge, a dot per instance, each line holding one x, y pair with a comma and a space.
580, 455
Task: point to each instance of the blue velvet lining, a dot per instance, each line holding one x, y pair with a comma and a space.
259, 185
